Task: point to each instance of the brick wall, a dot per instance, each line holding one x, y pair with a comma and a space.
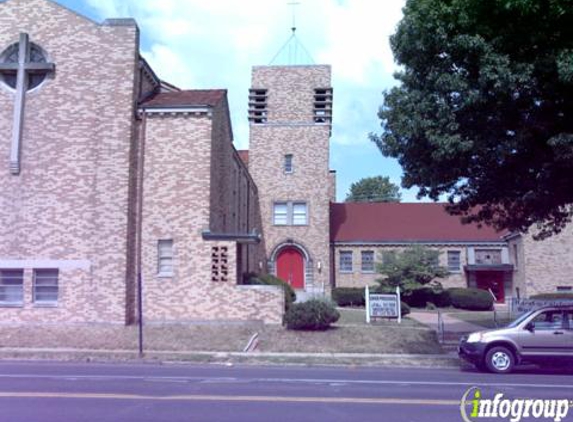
290, 129
182, 198
70, 201
358, 278
548, 263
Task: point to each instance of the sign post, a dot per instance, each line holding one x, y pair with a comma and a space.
382, 305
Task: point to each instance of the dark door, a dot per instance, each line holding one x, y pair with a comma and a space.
550, 335
492, 280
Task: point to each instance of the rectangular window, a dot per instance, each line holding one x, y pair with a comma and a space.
46, 287
280, 214
11, 287
565, 289
454, 262
488, 256
290, 214
345, 264
299, 214
165, 257
367, 261
288, 164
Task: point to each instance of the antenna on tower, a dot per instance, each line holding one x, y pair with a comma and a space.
293, 5
292, 46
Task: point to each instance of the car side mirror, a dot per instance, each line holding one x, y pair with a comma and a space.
530, 327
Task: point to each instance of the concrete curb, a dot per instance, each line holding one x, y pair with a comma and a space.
366, 359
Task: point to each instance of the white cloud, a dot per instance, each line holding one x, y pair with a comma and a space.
214, 44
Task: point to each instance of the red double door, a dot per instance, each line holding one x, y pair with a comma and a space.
290, 267
492, 280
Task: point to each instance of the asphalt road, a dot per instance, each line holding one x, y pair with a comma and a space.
55, 391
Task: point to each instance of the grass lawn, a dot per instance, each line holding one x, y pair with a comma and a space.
357, 316
350, 335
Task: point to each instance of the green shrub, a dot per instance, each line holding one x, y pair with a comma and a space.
348, 296
404, 308
313, 314
269, 280
471, 299
553, 296
419, 298
442, 299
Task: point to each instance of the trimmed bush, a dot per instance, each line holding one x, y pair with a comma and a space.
442, 299
553, 296
312, 315
419, 298
348, 296
471, 299
404, 308
269, 280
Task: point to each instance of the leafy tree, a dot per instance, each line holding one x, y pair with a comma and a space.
374, 189
410, 269
484, 111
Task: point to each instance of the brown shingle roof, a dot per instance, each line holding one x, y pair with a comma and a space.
403, 222
188, 98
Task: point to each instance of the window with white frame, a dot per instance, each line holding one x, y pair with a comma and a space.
454, 261
345, 261
46, 287
288, 163
290, 213
12, 287
280, 214
165, 257
299, 214
367, 261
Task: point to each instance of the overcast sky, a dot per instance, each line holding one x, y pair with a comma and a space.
200, 44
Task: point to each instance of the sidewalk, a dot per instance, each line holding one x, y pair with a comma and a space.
230, 358
452, 325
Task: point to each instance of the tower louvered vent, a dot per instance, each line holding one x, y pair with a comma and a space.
258, 106
323, 105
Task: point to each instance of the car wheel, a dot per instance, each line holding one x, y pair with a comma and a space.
499, 360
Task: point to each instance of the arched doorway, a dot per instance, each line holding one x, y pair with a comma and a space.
290, 267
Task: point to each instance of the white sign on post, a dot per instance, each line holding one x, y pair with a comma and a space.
382, 305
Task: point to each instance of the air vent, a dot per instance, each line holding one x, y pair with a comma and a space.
258, 106
323, 105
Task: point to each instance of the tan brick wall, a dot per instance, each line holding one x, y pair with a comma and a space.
291, 130
357, 278
70, 201
548, 263
177, 206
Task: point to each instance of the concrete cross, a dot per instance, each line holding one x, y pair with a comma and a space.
23, 68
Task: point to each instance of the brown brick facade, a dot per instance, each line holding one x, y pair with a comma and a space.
100, 185
543, 266
67, 208
290, 129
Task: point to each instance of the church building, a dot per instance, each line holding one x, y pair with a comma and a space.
118, 189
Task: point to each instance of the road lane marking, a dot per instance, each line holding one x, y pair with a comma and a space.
227, 380
193, 398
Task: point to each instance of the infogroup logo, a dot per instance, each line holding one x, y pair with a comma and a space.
474, 406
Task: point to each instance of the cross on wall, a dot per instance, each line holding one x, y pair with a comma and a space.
22, 69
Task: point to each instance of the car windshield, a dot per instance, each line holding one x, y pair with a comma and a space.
520, 319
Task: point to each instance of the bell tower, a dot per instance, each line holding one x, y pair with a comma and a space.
290, 116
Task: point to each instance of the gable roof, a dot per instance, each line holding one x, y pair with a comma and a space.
186, 98
403, 223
